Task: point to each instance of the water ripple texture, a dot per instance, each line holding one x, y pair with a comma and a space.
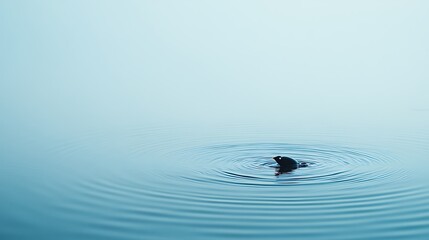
231, 191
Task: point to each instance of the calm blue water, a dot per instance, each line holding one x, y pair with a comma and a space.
159, 119
171, 182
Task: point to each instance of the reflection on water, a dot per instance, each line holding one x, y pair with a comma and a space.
154, 185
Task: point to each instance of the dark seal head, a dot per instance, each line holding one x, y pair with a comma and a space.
286, 162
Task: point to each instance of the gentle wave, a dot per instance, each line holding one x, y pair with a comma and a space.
214, 191
251, 164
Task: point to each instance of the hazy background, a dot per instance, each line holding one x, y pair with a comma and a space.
68, 66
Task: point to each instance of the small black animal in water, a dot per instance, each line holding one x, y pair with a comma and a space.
287, 164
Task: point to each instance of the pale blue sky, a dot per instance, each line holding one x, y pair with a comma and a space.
75, 64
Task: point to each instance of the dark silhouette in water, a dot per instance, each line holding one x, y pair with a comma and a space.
287, 164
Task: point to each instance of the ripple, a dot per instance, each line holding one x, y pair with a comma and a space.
230, 190
252, 165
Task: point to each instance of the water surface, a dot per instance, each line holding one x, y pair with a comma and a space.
158, 183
